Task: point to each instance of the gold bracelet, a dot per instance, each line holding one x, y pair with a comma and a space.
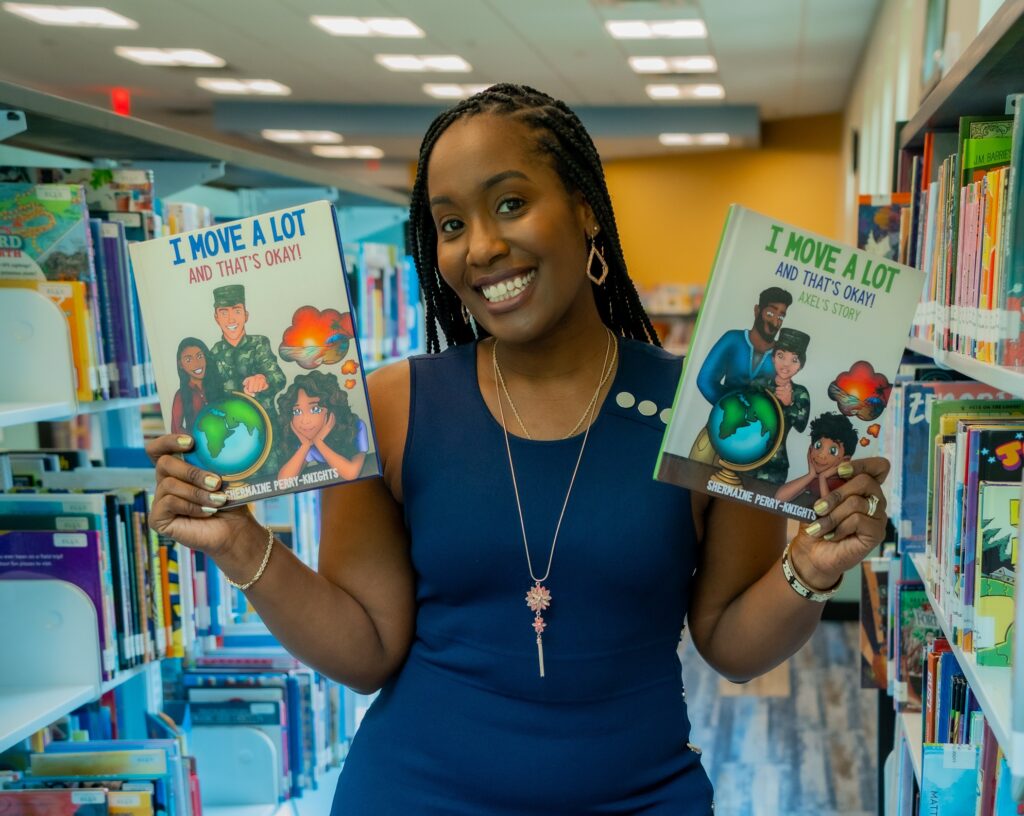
263, 565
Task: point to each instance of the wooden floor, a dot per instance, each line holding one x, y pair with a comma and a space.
796, 742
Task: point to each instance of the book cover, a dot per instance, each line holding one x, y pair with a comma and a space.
59, 802
918, 627
790, 366
878, 223
998, 523
44, 232
948, 779
255, 351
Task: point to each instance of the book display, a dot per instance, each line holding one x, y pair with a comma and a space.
158, 679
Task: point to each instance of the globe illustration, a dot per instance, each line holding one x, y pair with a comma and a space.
745, 429
233, 436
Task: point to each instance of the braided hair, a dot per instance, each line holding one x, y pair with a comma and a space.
562, 136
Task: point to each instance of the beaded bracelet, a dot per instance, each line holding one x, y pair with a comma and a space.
799, 587
263, 565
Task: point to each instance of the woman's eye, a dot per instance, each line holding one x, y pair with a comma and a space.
509, 205
450, 225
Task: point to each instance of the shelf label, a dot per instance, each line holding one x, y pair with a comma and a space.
72, 523
70, 540
54, 192
89, 797
959, 756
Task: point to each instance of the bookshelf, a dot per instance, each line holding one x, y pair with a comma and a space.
911, 724
1010, 380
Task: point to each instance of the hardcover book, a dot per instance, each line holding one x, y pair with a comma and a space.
255, 351
790, 368
44, 232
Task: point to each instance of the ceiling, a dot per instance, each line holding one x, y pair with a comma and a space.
777, 59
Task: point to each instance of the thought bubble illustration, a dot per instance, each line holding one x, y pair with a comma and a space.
861, 392
317, 338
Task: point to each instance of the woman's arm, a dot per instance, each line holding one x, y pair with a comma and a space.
744, 618
352, 620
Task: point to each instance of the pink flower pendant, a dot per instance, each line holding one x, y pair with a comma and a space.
539, 599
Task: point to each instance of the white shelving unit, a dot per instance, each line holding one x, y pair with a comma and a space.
910, 723
1010, 380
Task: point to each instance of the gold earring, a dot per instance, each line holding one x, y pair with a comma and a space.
465, 314
594, 251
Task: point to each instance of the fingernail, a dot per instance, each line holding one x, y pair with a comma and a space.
211, 482
184, 441
829, 536
209, 510
813, 529
845, 470
218, 498
821, 507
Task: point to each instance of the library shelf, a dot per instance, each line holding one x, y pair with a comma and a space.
26, 709
979, 81
990, 684
911, 723
1010, 380
99, 406
122, 677
18, 413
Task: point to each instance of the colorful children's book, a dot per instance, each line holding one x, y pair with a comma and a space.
60, 802
998, 523
255, 351
949, 776
44, 232
790, 367
878, 223
918, 627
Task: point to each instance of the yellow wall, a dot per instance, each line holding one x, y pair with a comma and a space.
670, 211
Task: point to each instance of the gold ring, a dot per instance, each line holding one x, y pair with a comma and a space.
872, 505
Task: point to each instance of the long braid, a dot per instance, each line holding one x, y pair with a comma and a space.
577, 162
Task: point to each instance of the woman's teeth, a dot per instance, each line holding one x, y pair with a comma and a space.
508, 288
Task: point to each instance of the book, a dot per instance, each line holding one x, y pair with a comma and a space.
58, 802
949, 775
997, 524
874, 606
258, 358
791, 366
44, 232
878, 223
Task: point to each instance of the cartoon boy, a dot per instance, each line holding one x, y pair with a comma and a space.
743, 355
246, 362
833, 440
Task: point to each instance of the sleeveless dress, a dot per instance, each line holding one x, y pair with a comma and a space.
467, 726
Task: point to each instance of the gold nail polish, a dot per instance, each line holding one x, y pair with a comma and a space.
211, 482
209, 510
821, 507
184, 441
813, 529
829, 536
845, 470
218, 498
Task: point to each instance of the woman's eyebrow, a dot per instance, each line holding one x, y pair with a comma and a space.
495, 179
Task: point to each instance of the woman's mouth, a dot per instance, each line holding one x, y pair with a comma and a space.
508, 289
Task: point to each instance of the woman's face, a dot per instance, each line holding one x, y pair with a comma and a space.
193, 362
511, 240
787, 364
308, 415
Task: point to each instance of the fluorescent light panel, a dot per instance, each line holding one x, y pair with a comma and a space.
440, 90
83, 16
694, 139
417, 63
253, 87
192, 57
657, 29
301, 136
674, 65
348, 152
699, 91
368, 26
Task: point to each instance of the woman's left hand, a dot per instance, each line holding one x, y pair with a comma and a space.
845, 531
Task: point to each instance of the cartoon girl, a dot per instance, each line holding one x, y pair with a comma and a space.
199, 382
315, 416
789, 356
833, 441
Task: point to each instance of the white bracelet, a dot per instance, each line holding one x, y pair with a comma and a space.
263, 565
799, 587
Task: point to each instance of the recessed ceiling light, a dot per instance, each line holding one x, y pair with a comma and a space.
409, 62
84, 16
674, 65
301, 136
701, 91
691, 139
348, 152
452, 90
657, 29
192, 57
367, 26
255, 87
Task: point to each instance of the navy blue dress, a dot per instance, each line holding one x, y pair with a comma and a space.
468, 726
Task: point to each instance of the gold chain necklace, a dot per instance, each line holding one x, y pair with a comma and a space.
586, 411
538, 598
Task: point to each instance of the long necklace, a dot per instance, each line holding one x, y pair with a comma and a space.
586, 411
538, 598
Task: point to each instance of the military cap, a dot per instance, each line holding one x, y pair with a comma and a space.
228, 295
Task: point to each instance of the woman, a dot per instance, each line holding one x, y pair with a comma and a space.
319, 427
199, 383
789, 356
570, 700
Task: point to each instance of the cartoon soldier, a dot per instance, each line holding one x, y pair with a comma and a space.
246, 362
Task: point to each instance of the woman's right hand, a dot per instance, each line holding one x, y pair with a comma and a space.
182, 493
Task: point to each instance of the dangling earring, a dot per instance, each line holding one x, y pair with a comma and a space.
594, 251
465, 314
